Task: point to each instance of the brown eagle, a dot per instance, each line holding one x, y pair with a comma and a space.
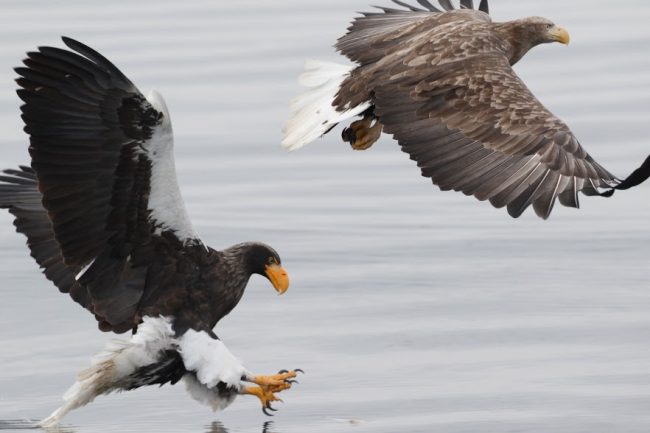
441, 82
105, 220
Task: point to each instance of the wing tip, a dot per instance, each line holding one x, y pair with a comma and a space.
73, 44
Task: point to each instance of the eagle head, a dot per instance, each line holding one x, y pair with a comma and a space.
265, 261
543, 31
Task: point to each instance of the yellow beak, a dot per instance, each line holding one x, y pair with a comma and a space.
560, 34
278, 277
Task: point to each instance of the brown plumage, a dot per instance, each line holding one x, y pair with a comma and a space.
442, 84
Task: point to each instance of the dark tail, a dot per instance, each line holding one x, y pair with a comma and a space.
637, 177
169, 369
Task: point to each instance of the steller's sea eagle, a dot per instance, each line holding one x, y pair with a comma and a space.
104, 218
440, 80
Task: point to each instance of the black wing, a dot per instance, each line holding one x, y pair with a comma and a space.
19, 193
95, 142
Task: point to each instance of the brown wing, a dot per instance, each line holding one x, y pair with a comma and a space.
373, 35
476, 128
443, 87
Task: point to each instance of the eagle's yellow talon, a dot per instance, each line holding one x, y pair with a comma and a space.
279, 379
267, 386
266, 395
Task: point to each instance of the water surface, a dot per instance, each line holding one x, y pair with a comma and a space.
411, 310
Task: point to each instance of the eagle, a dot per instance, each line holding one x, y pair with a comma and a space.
440, 80
104, 218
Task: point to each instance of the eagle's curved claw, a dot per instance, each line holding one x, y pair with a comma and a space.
291, 381
264, 408
298, 370
271, 408
266, 395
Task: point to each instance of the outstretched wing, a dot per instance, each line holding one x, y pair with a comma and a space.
444, 88
103, 158
370, 36
19, 194
479, 130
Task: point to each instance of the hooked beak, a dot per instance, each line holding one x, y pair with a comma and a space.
278, 277
559, 34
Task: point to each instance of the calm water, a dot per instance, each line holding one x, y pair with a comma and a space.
411, 310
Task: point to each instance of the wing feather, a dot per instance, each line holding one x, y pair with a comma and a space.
19, 194
408, 6
103, 202
428, 5
446, 5
460, 111
467, 4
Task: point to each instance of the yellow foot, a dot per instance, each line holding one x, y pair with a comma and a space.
269, 385
283, 377
266, 395
362, 134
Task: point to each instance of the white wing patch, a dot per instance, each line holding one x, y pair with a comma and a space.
165, 201
312, 112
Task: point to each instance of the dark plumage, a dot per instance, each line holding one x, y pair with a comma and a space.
104, 219
442, 84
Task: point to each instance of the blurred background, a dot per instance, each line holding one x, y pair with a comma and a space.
410, 309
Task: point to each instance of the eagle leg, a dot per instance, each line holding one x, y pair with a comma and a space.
363, 133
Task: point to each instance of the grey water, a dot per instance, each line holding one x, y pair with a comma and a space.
411, 309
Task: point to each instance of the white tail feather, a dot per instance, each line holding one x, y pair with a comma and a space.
312, 112
111, 369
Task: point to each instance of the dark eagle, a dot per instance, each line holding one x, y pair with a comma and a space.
104, 218
441, 82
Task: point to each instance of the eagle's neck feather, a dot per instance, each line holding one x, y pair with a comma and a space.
518, 38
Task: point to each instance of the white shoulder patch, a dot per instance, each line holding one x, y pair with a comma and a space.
165, 201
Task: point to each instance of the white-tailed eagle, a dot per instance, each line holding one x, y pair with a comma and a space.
440, 80
105, 220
